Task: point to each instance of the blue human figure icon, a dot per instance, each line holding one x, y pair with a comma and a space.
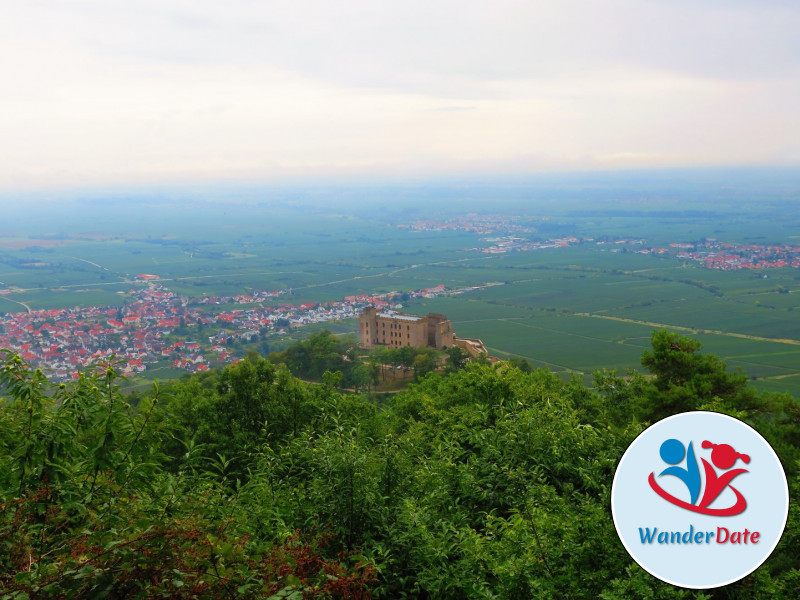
672, 452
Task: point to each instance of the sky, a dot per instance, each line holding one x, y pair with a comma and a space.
103, 92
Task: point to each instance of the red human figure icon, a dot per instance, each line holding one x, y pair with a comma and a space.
724, 457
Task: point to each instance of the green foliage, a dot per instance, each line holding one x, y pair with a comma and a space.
321, 352
456, 359
490, 482
684, 379
90, 506
520, 363
426, 361
421, 360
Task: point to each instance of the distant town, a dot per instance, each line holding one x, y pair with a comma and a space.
152, 328
510, 231
512, 243
710, 254
475, 223
713, 254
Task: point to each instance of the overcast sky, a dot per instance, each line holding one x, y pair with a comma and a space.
97, 92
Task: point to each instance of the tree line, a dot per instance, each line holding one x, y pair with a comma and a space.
363, 370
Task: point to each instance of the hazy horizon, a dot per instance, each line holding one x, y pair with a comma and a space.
730, 182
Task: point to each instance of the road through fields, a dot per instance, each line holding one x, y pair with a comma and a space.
692, 329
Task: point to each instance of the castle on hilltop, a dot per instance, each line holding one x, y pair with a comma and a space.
395, 330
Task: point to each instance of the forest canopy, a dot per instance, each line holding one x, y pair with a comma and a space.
479, 481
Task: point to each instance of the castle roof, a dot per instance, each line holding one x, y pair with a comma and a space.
390, 314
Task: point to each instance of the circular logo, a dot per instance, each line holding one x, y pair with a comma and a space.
699, 500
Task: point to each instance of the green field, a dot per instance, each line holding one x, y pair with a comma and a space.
574, 309
575, 315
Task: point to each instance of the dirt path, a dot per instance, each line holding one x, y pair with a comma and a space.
91, 263
742, 336
28, 308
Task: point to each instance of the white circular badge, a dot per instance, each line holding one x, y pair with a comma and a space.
699, 500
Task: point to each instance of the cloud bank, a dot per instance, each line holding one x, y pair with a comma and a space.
99, 92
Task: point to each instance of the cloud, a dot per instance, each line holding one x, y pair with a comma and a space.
115, 91
453, 108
